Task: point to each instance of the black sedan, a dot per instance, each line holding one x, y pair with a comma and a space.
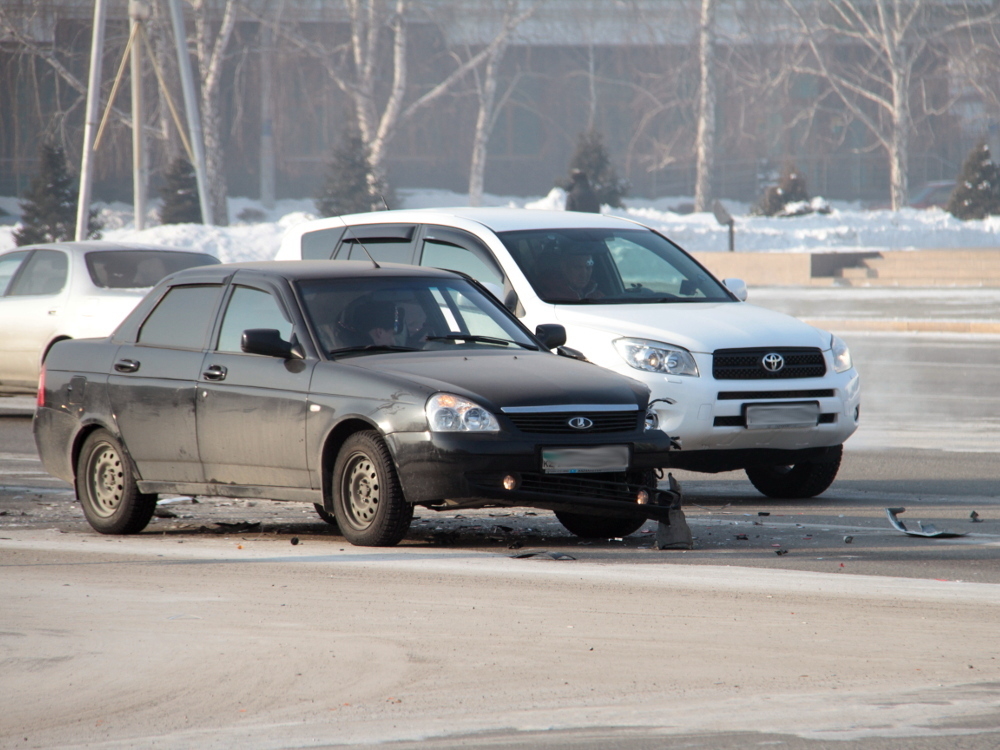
365, 389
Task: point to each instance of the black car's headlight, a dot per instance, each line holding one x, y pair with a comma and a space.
655, 356
449, 413
841, 354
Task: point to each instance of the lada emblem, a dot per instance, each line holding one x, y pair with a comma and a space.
581, 423
772, 362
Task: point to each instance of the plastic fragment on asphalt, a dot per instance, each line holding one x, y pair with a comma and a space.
975, 517
542, 553
848, 539
780, 552
926, 530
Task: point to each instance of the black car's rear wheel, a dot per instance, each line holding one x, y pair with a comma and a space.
368, 502
805, 479
106, 488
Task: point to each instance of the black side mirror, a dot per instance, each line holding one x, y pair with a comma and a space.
268, 342
552, 335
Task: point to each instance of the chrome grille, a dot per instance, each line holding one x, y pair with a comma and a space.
557, 423
745, 364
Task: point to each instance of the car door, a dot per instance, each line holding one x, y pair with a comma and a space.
30, 313
153, 383
252, 408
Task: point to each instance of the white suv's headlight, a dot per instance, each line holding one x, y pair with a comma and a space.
841, 354
655, 356
450, 413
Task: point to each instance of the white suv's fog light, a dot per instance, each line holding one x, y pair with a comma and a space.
510, 482
652, 421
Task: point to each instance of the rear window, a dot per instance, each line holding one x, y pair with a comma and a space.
137, 269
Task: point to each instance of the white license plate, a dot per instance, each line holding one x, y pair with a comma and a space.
782, 416
585, 460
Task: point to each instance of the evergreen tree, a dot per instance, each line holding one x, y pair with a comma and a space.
791, 188
181, 204
350, 187
977, 191
48, 213
591, 157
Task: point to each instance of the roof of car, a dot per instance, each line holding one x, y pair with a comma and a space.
101, 245
496, 219
299, 270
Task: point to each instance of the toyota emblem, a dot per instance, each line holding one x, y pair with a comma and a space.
772, 362
581, 423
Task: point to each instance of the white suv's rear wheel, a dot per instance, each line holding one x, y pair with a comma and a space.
806, 479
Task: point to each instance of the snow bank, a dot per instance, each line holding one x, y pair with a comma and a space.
255, 232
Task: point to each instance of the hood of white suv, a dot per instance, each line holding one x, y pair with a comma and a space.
696, 326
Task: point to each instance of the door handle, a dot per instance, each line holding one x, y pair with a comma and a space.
126, 365
215, 372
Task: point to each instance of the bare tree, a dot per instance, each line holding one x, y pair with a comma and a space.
486, 90
211, 55
705, 138
870, 53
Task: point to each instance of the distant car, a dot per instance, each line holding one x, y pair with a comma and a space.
933, 194
69, 290
362, 389
741, 386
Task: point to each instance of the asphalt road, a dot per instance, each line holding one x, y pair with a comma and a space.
795, 624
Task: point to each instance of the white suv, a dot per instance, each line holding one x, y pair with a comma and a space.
739, 386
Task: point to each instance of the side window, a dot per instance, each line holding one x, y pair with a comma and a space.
440, 254
319, 245
8, 267
251, 308
182, 319
44, 273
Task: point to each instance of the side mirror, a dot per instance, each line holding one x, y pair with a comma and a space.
552, 335
268, 342
737, 287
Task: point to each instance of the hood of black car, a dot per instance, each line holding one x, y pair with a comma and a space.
501, 379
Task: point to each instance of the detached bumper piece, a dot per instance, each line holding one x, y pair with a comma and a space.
591, 494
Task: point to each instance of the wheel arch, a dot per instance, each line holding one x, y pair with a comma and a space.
81, 437
331, 448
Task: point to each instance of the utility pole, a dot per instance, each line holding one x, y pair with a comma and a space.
90, 124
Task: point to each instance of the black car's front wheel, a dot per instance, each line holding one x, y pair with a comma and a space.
801, 480
106, 488
368, 502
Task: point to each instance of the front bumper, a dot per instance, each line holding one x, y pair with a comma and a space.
469, 471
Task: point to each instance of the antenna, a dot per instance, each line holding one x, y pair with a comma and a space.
383, 201
358, 240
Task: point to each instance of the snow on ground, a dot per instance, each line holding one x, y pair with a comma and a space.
255, 232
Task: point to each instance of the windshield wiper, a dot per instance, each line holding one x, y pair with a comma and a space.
480, 340
371, 349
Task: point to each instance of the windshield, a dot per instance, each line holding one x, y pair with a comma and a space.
355, 316
609, 266
137, 269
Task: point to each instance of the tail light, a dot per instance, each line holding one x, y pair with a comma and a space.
41, 387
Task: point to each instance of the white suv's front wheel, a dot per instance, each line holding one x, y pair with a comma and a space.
805, 479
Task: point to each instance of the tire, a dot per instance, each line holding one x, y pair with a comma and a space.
806, 479
599, 527
368, 502
325, 514
106, 488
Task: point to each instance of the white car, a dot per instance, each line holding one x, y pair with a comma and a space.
741, 387
71, 290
